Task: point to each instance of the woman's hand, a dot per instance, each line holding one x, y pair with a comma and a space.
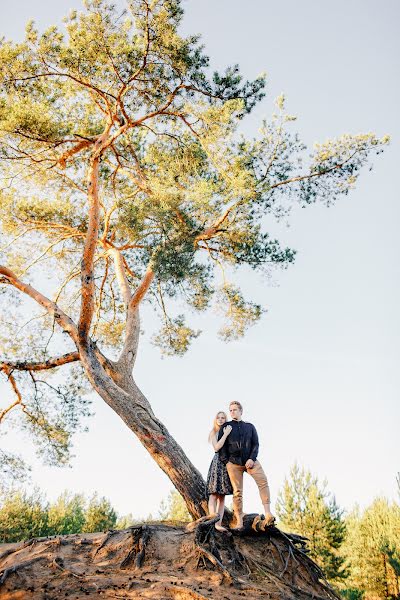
227, 430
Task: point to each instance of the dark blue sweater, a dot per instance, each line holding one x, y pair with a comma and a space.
240, 445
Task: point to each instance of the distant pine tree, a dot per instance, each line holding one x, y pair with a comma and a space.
174, 508
372, 549
23, 516
305, 507
67, 514
99, 515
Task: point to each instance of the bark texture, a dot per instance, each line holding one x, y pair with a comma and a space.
122, 394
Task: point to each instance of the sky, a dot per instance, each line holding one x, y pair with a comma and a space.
319, 375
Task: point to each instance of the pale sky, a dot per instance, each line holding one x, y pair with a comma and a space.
319, 375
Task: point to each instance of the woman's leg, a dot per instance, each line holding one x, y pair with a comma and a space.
212, 504
221, 507
220, 510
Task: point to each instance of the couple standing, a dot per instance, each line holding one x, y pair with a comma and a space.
236, 448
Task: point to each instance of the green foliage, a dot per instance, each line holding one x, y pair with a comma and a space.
67, 514
352, 594
372, 549
175, 337
126, 521
13, 470
239, 314
24, 516
73, 514
187, 188
304, 506
174, 508
99, 515
54, 421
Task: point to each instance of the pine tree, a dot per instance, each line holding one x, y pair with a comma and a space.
174, 508
67, 514
125, 178
99, 515
305, 507
372, 549
23, 516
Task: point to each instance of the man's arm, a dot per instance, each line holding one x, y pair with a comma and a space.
254, 444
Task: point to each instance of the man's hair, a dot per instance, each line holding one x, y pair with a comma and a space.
237, 404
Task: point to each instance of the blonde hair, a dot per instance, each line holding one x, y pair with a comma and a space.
216, 427
237, 404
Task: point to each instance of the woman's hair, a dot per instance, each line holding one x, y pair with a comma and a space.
216, 427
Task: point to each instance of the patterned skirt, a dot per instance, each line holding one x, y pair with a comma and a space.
218, 481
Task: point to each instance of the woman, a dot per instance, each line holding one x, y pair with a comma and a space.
218, 482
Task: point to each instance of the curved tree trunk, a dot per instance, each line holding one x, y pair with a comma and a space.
126, 399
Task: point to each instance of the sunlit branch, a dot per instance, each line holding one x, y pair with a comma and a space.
18, 402
121, 275
62, 319
312, 175
141, 290
42, 365
62, 161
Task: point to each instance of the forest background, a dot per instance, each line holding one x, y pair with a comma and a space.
321, 380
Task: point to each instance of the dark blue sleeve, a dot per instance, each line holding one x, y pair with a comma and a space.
254, 444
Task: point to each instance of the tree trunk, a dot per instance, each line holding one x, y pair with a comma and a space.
130, 404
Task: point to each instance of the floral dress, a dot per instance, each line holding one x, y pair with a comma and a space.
218, 481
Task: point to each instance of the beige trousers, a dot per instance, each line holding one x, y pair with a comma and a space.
235, 473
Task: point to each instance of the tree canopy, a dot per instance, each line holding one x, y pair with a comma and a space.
125, 176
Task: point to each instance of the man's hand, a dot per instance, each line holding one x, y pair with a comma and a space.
249, 464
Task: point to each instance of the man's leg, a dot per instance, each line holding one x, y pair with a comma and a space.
261, 480
235, 473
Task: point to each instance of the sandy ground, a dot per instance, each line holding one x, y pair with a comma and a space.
158, 562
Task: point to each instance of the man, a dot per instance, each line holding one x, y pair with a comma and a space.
239, 453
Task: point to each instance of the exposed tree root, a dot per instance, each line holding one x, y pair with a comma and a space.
104, 541
58, 563
15, 568
205, 535
195, 564
140, 537
18, 548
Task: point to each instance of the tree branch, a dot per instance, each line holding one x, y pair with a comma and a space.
63, 320
18, 401
142, 289
121, 275
311, 175
87, 278
43, 365
62, 161
129, 351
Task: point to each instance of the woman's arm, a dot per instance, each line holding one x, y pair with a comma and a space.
217, 445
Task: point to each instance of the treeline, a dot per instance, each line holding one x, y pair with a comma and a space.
24, 516
359, 552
